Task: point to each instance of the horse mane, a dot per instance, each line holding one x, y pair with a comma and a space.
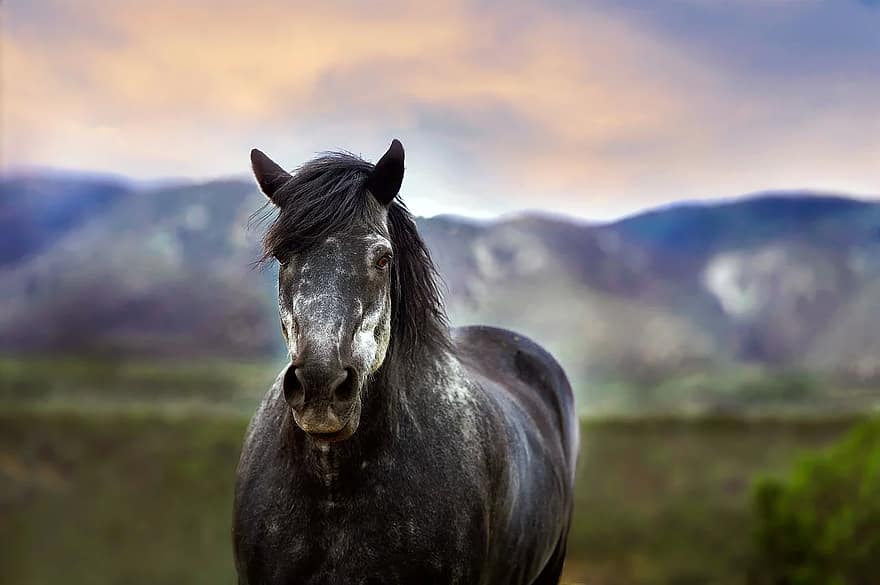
327, 196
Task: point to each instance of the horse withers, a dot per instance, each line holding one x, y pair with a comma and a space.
391, 449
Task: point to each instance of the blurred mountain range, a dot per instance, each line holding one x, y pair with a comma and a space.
98, 265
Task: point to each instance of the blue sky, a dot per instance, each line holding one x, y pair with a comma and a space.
594, 109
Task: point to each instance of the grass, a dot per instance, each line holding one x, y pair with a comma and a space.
88, 384
134, 498
734, 389
666, 500
139, 495
122, 473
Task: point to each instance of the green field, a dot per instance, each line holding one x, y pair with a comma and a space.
144, 495
123, 473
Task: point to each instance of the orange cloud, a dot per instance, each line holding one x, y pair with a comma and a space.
589, 111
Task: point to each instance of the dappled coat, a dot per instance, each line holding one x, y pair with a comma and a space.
391, 450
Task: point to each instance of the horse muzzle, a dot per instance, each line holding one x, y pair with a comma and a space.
325, 402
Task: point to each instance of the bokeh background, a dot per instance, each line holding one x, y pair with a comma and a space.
678, 199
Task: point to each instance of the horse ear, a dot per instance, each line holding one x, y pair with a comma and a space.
385, 180
269, 175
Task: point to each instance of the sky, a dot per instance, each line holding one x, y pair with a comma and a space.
589, 108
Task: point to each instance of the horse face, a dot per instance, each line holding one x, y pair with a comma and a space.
335, 306
335, 300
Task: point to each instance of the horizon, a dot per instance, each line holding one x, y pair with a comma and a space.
36, 171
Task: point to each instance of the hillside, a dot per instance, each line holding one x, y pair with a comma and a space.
35, 210
163, 273
783, 280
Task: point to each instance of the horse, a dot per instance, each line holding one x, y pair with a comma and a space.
392, 448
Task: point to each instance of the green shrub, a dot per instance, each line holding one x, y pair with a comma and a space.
821, 525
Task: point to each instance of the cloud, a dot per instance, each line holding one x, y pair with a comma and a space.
591, 109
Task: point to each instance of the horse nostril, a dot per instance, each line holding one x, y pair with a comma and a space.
308, 386
345, 389
294, 391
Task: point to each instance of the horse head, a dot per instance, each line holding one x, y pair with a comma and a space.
335, 254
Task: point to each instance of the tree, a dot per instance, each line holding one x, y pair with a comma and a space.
821, 525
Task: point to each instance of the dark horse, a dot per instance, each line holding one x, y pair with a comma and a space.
391, 449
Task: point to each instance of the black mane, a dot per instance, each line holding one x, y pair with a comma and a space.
327, 196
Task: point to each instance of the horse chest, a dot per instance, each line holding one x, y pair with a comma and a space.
371, 535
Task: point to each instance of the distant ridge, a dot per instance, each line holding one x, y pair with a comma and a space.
705, 225
778, 280
35, 210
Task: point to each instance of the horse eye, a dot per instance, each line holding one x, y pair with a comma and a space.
383, 262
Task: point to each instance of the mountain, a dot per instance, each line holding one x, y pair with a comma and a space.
580, 290
786, 280
37, 209
785, 267
705, 229
165, 272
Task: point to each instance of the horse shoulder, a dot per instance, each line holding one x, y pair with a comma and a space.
512, 359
